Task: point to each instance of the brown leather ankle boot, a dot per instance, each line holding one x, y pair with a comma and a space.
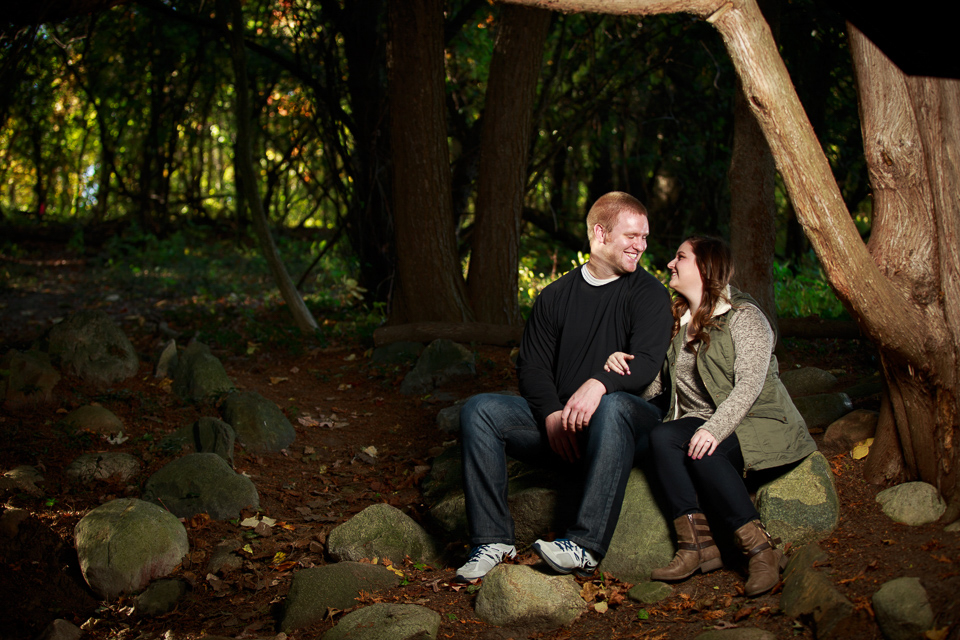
765, 560
697, 550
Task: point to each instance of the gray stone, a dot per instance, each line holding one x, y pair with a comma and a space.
397, 353
160, 597
953, 527
29, 380
61, 629
381, 531
650, 592
167, 362
199, 375
24, 478
206, 435
259, 424
801, 506
743, 633
337, 586
807, 381
105, 465
808, 594
441, 363
93, 417
852, 428
518, 595
10, 521
446, 474
903, 609
820, 410
124, 544
870, 386
385, 621
89, 345
643, 540
805, 558
201, 483
448, 419
912, 503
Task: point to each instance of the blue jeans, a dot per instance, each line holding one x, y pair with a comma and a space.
496, 426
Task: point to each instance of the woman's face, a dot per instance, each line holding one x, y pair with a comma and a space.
684, 273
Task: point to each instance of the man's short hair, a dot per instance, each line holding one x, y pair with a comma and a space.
606, 210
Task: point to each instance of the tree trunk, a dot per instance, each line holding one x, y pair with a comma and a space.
504, 151
752, 175
431, 286
245, 170
906, 295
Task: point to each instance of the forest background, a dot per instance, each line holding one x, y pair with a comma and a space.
435, 160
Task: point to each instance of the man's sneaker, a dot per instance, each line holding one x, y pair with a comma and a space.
482, 559
565, 556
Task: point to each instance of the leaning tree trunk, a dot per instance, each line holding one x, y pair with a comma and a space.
245, 170
431, 286
504, 151
909, 307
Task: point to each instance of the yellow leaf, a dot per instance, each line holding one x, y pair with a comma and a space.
279, 557
277, 379
861, 449
600, 607
936, 634
248, 549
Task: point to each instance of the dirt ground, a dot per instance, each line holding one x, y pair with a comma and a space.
319, 483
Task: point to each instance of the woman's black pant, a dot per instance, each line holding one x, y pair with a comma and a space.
713, 483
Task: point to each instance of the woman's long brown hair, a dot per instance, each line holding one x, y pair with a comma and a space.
715, 263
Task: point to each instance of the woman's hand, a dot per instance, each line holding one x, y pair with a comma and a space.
617, 362
703, 443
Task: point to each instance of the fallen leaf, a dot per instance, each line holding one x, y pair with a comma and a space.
277, 379
861, 449
308, 421
600, 607
589, 592
936, 634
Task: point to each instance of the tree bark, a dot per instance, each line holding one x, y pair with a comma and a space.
906, 296
481, 332
752, 176
504, 152
245, 170
431, 286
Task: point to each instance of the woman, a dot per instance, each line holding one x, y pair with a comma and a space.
729, 414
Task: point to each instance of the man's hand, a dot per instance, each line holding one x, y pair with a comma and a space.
581, 405
702, 443
563, 442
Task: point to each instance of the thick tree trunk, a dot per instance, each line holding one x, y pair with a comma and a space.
245, 170
909, 305
504, 150
431, 286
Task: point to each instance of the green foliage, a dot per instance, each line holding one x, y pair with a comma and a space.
805, 292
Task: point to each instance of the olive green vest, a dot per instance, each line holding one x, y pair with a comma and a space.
773, 432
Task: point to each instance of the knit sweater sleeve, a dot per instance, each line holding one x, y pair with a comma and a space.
753, 342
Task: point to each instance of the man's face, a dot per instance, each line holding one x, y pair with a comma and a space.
617, 251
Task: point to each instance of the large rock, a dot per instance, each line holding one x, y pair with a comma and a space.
903, 609
518, 595
124, 544
337, 586
103, 466
206, 435
441, 363
95, 418
912, 503
90, 346
643, 540
199, 375
807, 381
852, 428
801, 506
160, 597
259, 424
808, 594
29, 380
381, 531
821, 410
385, 621
201, 483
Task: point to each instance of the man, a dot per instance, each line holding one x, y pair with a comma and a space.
572, 411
